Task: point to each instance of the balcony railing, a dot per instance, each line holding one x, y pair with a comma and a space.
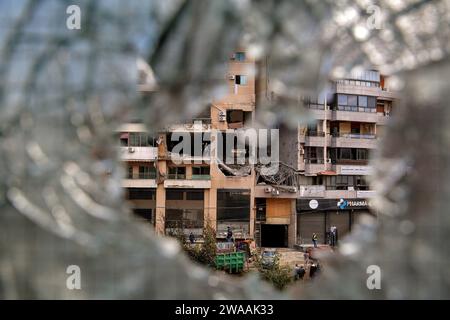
346, 187
356, 109
176, 176
354, 135
146, 175
314, 160
316, 106
201, 177
315, 134
351, 162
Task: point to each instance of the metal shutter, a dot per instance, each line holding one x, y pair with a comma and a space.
309, 223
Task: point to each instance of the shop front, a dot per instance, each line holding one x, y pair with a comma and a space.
319, 215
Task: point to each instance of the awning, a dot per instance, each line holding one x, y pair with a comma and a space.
124, 135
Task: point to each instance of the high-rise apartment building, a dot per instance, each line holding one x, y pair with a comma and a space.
198, 188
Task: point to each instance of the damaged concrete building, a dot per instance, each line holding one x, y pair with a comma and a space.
321, 179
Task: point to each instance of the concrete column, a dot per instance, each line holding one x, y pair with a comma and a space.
252, 211
160, 215
210, 208
292, 229
188, 172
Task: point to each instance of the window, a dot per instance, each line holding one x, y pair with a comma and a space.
239, 56
195, 195
345, 153
352, 101
372, 102
342, 99
141, 194
140, 139
124, 136
240, 80
147, 172
130, 172
362, 101
177, 172
172, 194
145, 214
235, 116
200, 170
233, 209
174, 218
362, 154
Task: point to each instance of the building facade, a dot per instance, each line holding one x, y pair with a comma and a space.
192, 188
323, 169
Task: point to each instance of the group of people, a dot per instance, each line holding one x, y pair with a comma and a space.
300, 271
333, 237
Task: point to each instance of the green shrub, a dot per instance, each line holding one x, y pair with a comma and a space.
202, 253
279, 276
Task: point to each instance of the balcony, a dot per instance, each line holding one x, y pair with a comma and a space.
314, 166
353, 167
319, 113
356, 116
141, 180
349, 194
312, 191
383, 118
316, 139
352, 140
385, 94
188, 158
196, 181
138, 153
357, 90
201, 177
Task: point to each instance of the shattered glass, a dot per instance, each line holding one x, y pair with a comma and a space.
63, 92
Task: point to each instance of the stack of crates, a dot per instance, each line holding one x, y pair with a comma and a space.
233, 262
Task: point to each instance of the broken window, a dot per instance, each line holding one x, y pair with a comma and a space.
61, 99
233, 210
145, 214
184, 210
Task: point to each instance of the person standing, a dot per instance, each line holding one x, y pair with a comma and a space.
314, 239
229, 234
301, 272
312, 270
296, 272
333, 236
191, 238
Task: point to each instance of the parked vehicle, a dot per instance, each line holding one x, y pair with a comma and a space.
268, 258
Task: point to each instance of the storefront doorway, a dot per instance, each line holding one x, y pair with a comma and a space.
274, 235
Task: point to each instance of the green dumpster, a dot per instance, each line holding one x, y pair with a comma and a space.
233, 262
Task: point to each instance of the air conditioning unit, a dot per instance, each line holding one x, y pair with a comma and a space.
231, 77
329, 160
222, 116
130, 149
267, 189
275, 192
293, 190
